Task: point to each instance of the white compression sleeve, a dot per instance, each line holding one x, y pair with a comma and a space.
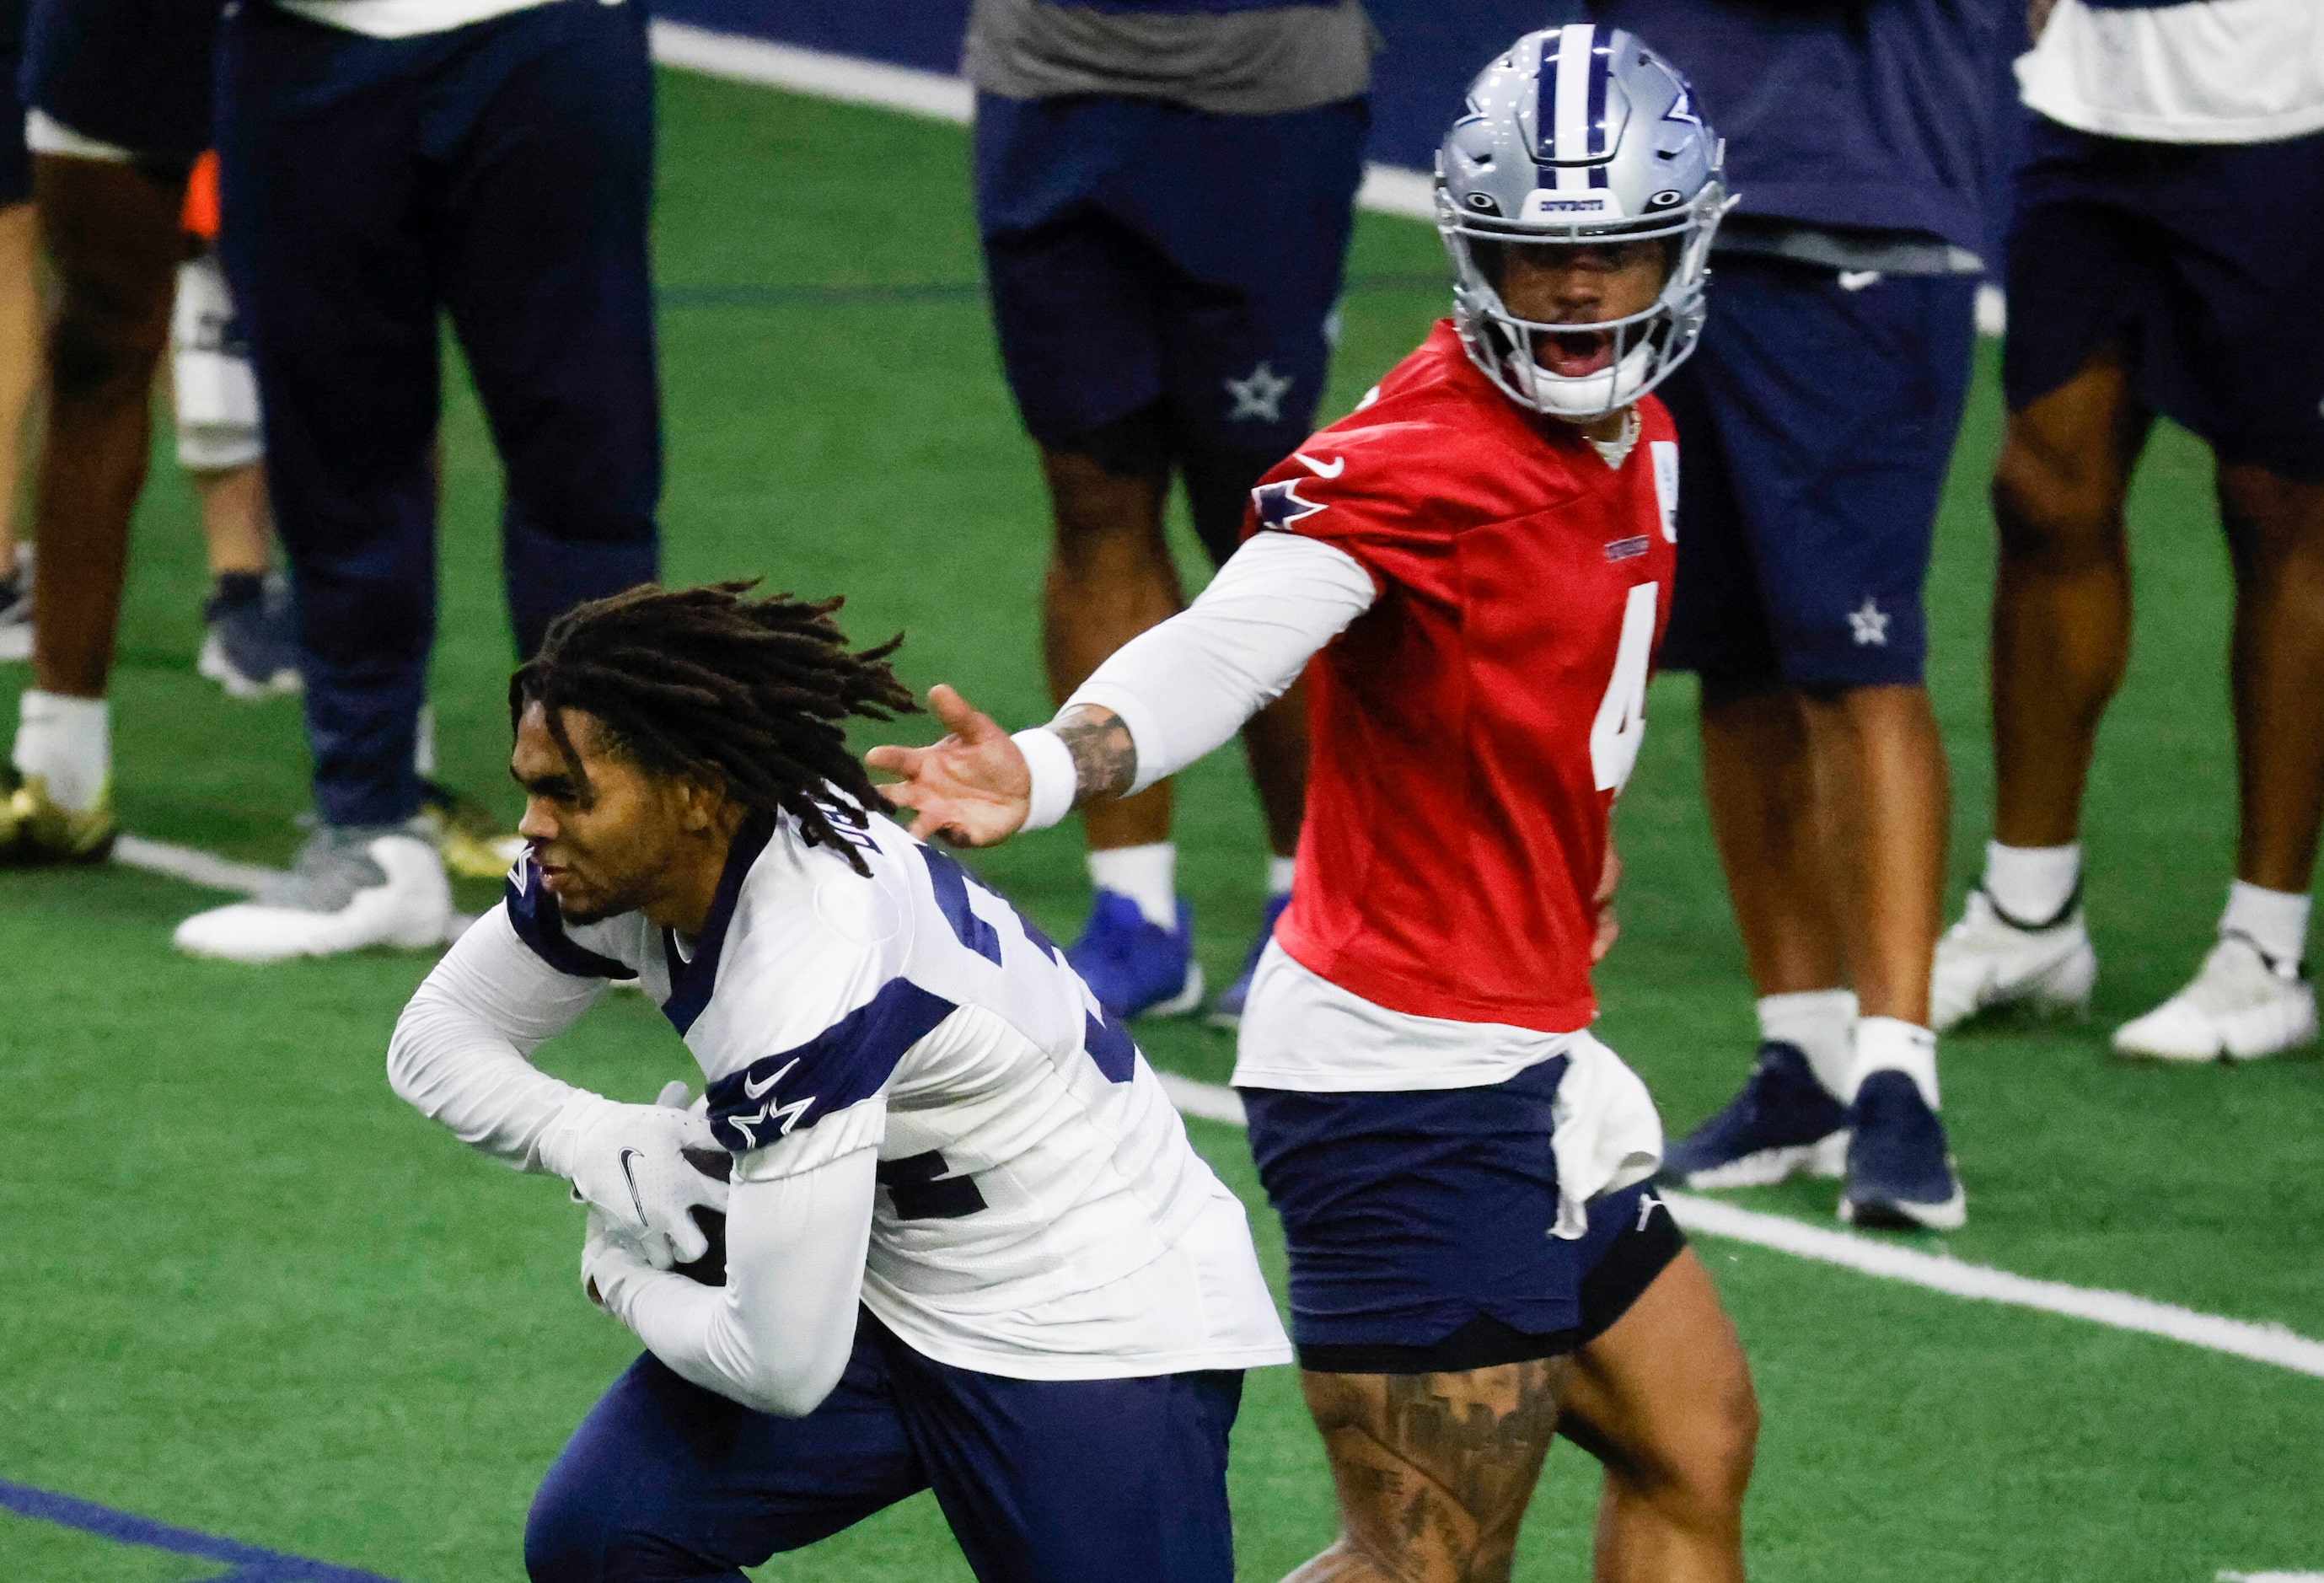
458, 1051
1186, 687
777, 1336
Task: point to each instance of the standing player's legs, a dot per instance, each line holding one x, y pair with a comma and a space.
1817, 421
546, 138
109, 225
326, 252
1142, 335
2148, 277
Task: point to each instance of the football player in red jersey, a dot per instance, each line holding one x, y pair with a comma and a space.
1473, 572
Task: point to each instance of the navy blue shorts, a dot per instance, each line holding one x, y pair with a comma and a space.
1043, 1481
2203, 262
1815, 424
15, 160
134, 73
1138, 251
1417, 1227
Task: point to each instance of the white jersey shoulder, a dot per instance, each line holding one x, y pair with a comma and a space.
1040, 1213
2221, 71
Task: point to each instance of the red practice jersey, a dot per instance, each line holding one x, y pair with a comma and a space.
1471, 729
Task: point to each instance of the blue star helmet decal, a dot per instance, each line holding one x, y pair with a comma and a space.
1279, 505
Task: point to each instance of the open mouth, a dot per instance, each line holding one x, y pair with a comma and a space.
1573, 353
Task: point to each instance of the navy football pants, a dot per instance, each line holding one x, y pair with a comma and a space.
1043, 1481
499, 172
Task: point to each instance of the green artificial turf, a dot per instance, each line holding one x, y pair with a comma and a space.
252, 1293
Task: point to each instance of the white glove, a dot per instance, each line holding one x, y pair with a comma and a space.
608, 1259
627, 1164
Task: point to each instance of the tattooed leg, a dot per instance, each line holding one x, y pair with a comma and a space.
1664, 1400
1433, 1471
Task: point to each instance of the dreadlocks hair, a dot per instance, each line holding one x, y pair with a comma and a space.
747, 695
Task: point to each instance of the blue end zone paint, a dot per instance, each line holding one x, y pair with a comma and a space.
250, 1563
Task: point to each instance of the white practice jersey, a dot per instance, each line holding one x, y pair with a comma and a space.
1040, 1213
2180, 70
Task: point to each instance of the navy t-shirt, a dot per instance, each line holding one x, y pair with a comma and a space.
1878, 115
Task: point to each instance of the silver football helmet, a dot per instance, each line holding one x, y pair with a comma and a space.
1578, 134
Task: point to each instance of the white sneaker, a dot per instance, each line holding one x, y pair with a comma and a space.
1985, 962
349, 890
2240, 1006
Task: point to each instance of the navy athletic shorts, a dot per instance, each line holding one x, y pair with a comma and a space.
1043, 1481
2204, 263
1138, 251
134, 73
1815, 423
15, 160
1417, 1226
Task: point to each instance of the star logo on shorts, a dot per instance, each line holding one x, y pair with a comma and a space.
1259, 394
1869, 624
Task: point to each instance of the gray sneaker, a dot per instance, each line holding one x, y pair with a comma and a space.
249, 637
350, 888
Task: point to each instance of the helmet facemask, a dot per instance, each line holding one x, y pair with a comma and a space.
1647, 346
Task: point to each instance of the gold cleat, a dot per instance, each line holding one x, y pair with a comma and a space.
466, 836
36, 831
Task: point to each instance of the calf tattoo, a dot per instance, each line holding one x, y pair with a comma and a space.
1433, 1471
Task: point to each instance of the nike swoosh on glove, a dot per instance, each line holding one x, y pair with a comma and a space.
628, 1163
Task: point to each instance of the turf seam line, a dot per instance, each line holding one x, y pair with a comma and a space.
1888, 1261
1387, 189
252, 1564
207, 870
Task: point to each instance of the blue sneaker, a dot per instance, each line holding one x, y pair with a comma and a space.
1899, 1174
1135, 967
1226, 1011
1782, 1123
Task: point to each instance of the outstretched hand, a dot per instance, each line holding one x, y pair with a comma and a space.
972, 788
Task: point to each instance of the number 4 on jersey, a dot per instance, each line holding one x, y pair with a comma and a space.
1622, 723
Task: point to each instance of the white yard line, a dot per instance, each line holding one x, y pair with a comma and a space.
195, 868
1888, 1261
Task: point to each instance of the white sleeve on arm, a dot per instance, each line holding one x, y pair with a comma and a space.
777, 1336
1186, 687
459, 1051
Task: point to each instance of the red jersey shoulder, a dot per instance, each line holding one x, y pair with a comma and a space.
1432, 448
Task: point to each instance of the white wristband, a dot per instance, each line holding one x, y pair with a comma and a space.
1055, 778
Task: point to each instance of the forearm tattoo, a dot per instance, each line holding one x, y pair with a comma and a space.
1105, 760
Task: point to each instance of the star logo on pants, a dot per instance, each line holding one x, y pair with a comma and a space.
1869, 623
1259, 394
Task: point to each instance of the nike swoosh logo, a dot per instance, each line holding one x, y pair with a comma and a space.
636, 1197
1857, 279
1338, 466
754, 1090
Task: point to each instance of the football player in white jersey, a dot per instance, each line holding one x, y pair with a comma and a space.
966, 1242
2166, 256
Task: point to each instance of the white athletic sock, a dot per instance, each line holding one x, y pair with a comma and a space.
423, 744
1888, 1043
68, 740
1279, 875
1821, 1022
2276, 921
1147, 875
2031, 884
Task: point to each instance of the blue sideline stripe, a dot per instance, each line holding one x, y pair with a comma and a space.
251, 1564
